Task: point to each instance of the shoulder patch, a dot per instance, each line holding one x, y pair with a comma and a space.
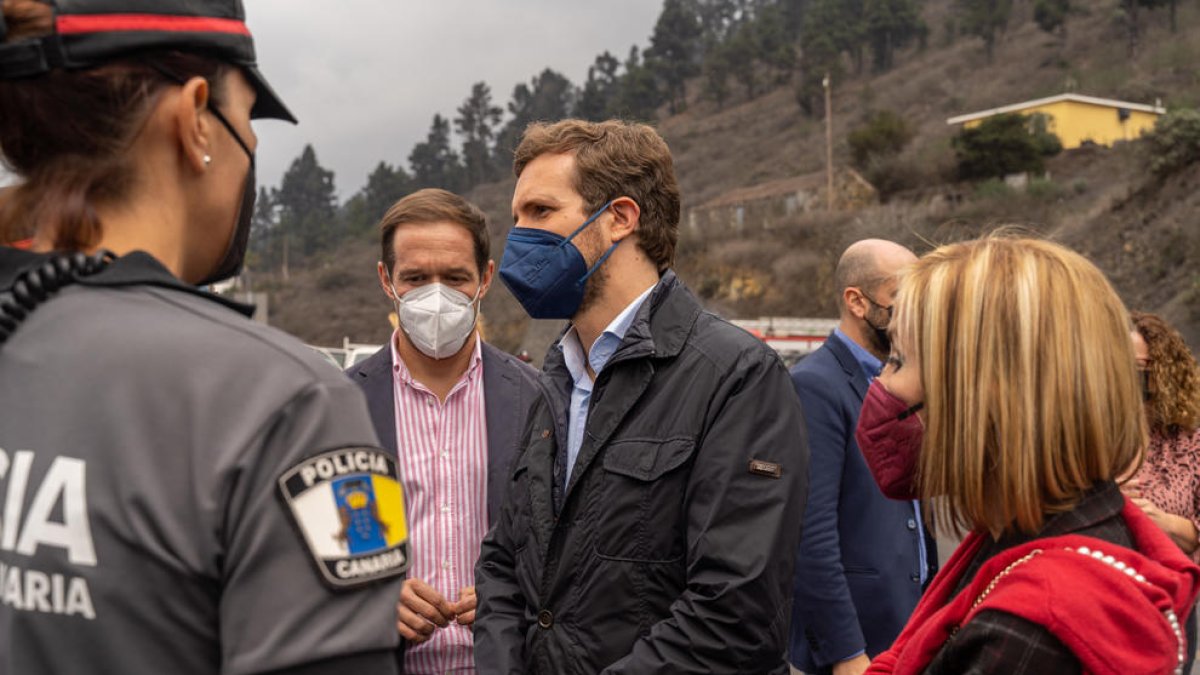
348, 506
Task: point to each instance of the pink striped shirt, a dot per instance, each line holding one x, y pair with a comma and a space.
443, 466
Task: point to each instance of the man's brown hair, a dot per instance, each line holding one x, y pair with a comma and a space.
433, 205
616, 159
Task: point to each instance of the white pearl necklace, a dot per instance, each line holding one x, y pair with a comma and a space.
1133, 574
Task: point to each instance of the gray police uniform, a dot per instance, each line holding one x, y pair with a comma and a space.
166, 468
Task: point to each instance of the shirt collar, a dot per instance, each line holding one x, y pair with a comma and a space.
404, 375
605, 346
869, 363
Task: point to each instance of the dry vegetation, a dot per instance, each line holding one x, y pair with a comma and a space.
1140, 230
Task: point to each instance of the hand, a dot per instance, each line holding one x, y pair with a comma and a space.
1132, 489
465, 607
1180, 529
1156, 514
421, 610
855, 666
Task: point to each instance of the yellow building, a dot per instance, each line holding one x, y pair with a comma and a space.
1077, 120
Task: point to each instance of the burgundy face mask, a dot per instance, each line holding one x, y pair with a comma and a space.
889, 435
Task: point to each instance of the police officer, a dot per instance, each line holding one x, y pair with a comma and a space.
181, 490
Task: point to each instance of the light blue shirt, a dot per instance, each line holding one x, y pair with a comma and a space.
602, 350
872, 367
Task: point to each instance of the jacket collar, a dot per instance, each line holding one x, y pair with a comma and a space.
134, 269
845, 358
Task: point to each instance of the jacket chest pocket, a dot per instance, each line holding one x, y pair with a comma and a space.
639, 510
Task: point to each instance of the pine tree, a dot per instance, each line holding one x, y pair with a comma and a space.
985, 19
385, 186
638, 95
596, 96
1051, 16
476, 124
548, 97
264, 232
675, 48
890, 25
307, 202
433, 161
773, 44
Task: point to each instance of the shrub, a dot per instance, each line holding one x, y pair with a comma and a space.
1003, 145
885, 134
1175, 142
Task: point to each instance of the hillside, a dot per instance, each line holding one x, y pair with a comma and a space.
1103, 202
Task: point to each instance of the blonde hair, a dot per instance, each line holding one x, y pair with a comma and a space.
1031, 391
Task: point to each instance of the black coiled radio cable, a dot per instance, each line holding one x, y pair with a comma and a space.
38, 284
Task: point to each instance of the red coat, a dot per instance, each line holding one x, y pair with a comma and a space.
1113, 621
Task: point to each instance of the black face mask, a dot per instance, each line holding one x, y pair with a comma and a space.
882, 340
1144, 376
235, 254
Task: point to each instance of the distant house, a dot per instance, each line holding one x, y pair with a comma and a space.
1079, 120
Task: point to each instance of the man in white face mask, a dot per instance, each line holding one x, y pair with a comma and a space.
451, 407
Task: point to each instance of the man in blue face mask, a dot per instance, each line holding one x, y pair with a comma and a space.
650, 524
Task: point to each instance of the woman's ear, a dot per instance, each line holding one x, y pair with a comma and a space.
193, 126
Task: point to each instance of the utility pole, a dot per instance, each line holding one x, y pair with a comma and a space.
828, 141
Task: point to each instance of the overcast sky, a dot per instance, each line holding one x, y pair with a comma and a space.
365, 77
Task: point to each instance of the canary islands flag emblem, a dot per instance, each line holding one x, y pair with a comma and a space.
348, 506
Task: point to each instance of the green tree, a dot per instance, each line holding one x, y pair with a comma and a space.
1003, 145
774, 45
476, 124
596, 95
1051, 16
741, 50
1175, 142
307, 203
985, 19
891, 25
433, 161
638, 95
548, 97
675, 49
825, 37
716, 71
385, 185
885, 133
265, 241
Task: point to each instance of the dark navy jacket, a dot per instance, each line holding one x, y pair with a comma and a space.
858, 563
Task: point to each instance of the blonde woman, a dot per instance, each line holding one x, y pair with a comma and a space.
1008, 396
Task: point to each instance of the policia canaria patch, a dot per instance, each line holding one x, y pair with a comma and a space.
349, 506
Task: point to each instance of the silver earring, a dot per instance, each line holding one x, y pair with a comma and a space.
207, 160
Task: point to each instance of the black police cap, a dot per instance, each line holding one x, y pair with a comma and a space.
89, 33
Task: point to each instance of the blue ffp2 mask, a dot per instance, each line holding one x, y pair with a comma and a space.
546, 272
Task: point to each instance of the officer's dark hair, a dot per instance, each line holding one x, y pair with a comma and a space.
66, 134
428, 206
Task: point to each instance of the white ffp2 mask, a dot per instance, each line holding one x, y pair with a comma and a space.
437, 319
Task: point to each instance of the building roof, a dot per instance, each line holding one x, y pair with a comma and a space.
1017, 107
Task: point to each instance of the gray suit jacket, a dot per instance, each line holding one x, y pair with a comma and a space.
509, 388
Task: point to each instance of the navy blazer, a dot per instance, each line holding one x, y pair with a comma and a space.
858, 563
509, 388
